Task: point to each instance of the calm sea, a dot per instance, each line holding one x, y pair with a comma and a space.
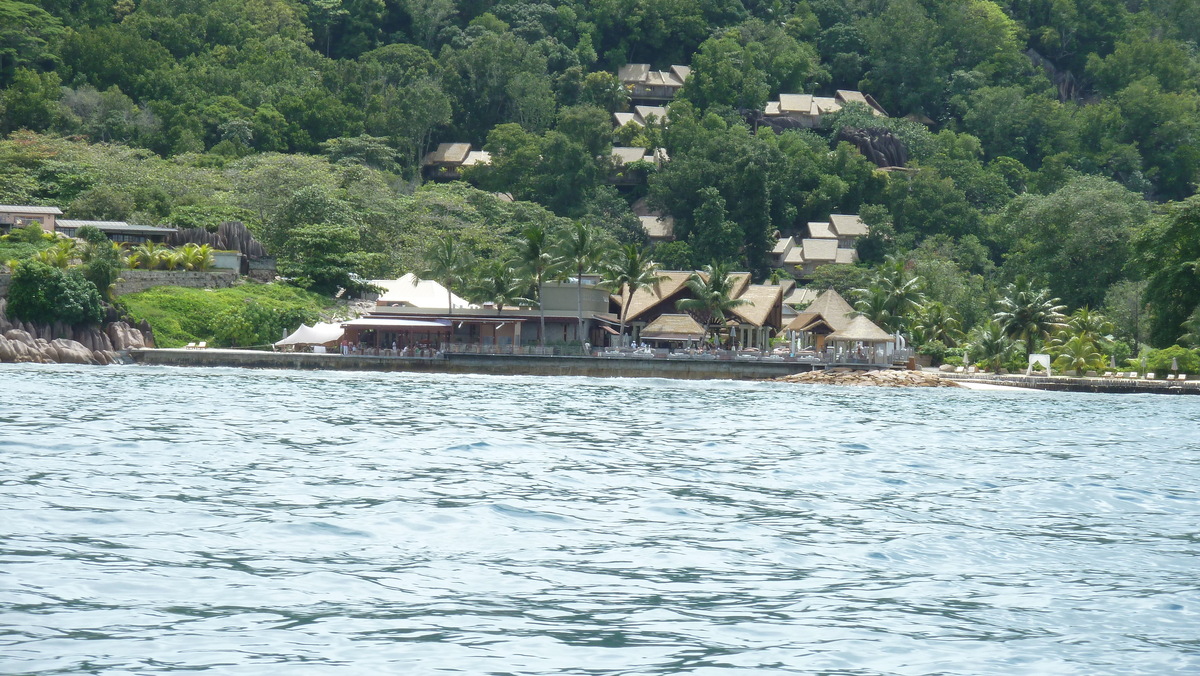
158, 520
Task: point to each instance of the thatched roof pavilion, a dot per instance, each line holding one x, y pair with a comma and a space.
673, 328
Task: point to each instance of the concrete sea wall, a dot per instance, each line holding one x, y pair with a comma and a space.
1069, 384
476, 363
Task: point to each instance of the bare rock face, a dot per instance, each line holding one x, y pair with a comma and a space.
880, 378
64, 344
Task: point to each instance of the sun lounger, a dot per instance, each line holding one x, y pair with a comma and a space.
971, 369
1181, 376
1170, 376
189, 346
202, 345
959, 369
1149, 376
1108, 374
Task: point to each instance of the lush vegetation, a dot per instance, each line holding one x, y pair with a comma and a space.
246, 315
1055, 142
44, 294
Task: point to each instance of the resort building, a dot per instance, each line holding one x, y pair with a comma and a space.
641, 116
659, 226
118, 231
414, 313
749, 325
828, 242
16, 216
806, 110
447, 161
832, 330
653, 87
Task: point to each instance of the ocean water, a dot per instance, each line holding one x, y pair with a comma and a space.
159, 520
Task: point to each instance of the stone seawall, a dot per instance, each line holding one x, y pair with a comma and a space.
598, 367
136, 281
1070, 384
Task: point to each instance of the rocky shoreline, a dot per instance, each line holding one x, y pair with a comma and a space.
26, 342
878, 378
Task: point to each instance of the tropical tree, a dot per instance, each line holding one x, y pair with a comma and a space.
990, 344
446, 262
147, 255
581, 248
1029, 314
537, 262
936, 322
1079, 354
892, 296
712, 297
194, 256
58, 256
499, 283
630, 272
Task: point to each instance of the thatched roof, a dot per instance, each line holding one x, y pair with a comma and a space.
810, 321
845, 256
848, 225
673, 327
820, 249
760, 299
646, 299
803, 295
833, 308
448, 153
821, 230
861, 329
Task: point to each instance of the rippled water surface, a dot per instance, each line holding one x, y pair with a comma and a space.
157, 520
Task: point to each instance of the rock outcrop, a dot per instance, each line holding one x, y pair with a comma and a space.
881, 378
59, 343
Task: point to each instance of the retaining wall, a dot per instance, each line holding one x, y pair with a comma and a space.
478, 363
134, 281
1069, 384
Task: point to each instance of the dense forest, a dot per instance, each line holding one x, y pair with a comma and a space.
1050, 143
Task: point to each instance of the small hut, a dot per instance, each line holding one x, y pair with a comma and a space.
673, 329
863, 331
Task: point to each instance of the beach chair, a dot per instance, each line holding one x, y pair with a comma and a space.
201, 345
1108, 374
959, 369
1181, 376
1170, 376
971, 369
1149, 376
189, 346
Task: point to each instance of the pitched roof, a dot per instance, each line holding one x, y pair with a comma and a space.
645, 299
673, 327
760, 299
28, 209
809, 321
628, 155
448, 153
848, 225
645, 112
633, 72
681, 73
772, 108
801, 296
826, 104
833, 308
846, 256
116, 226
412, 291
623, 119
861, 329
477, 157
794, 256
820, 230
848, 95
795, 103
658, 227
820, 249
782, 245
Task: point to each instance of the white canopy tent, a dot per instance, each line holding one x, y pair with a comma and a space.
321, 334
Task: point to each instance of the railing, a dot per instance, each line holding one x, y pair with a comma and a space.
524, 350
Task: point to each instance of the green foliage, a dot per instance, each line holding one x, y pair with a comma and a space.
1168, 252
1159, 361
251, 314
41, 293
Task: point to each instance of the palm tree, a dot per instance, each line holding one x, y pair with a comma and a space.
991, 343
936, 322
712, 297
631, 272
447, 263
147, 255
1079, 354
500, 284
194, 256
533, 253
582, 248
894, 293
1028, 314
58, 256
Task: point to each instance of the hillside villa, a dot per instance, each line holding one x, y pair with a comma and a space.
828, 242
653, 87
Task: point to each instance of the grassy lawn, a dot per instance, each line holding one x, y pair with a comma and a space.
180, 316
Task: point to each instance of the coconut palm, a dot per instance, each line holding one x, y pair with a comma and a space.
712, 297
194, 256
991, 344
894, 294
534, 256
581, 248
446, 262
500, 284
60, 255
936, 322
1029, 314
1079, 354
147, 255
630, 272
